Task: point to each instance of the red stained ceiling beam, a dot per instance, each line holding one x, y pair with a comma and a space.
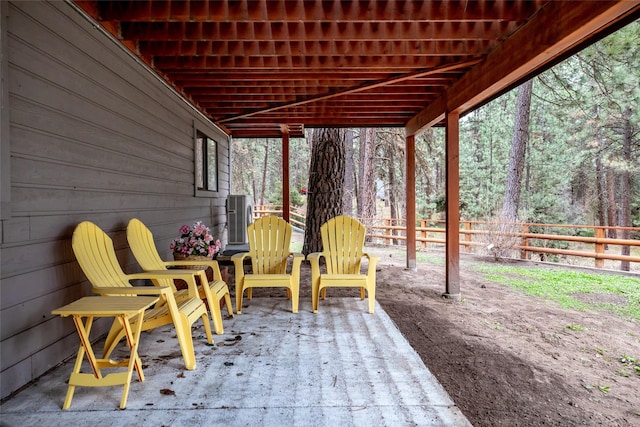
306, 10
365, 87
394, 64
315, 48
315, 31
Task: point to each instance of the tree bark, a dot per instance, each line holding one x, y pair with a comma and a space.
366, 175
349, 178
517, 153
391, 176
601, 191
612, 214
264, 171
326, 182
625, 186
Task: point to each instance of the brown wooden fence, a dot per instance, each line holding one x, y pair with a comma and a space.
528, 239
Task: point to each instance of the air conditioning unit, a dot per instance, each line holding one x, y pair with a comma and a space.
239, 216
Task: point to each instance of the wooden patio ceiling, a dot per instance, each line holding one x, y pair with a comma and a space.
260, 68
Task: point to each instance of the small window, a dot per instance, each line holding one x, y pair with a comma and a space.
206, 167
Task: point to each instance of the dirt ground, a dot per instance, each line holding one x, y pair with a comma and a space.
507, 358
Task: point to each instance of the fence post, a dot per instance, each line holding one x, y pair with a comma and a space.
387, 231
467, 236
524, 254
423, 234
599, 246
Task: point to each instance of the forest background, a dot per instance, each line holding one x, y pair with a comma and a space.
580, 158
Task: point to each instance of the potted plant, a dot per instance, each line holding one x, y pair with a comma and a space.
195, 243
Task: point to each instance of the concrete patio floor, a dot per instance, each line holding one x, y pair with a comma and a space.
340, 367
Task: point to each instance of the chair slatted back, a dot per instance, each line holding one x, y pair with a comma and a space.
145, 251
343, 244
97, 257
269, 242
143, 246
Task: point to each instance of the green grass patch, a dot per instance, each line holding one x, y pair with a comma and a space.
565, 287
431, 259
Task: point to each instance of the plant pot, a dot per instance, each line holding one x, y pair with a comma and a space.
183, 257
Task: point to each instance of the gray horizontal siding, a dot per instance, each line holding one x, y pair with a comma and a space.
93, 136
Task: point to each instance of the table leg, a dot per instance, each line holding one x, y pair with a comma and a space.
85, 346
133, 339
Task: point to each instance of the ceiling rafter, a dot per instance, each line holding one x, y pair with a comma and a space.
420, 73
295, 11
268, 65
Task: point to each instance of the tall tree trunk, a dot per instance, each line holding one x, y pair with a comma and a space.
349, 171
264, 171
517, 153
366, 175
390, 149
625, 187
326, 182
601, 191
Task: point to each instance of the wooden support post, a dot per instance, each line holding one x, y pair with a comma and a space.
599, 247
410, 196
524, 254
286, 202
453, 206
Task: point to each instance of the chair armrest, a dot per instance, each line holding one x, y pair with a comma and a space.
186, 275
314, 256
134, 290
373, 261
314, 259
297, 256
372, 258
297, 261
238, 260
240, 256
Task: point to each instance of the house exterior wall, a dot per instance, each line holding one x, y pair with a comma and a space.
91, 134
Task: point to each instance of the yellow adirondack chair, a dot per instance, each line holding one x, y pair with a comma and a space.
97, 257
144, 250
269, 242
342, 250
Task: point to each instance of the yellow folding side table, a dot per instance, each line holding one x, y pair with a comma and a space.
128, 310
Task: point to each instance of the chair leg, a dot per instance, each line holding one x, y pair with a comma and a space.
219, 290
239, 292
371, 294
207, 327
294, 298
183, 332
222, 291
216, 315
227, 301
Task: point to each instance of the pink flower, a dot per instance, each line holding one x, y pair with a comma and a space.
195, 240
199, 229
